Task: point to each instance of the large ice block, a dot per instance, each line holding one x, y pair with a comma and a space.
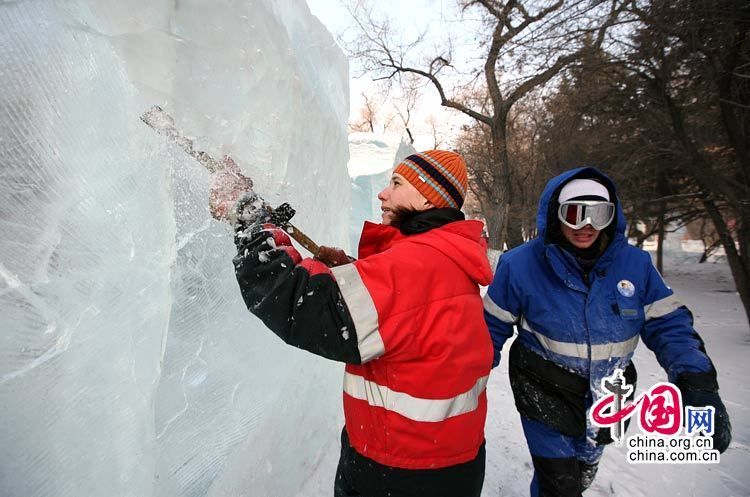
128, 363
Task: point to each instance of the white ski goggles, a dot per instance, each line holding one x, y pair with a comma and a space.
578, 213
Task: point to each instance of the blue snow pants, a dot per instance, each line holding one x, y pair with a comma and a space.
564, 466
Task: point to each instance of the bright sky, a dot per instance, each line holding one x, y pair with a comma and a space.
410, 16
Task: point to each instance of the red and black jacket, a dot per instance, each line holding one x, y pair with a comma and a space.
407, 320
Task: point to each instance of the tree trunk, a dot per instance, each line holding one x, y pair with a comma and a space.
493, 214
511, 221
702, 173
515, 223
411, 138
726, 77
660, 244
663, 189
739, 269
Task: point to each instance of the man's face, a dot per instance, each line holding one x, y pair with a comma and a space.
400, 194
582, 238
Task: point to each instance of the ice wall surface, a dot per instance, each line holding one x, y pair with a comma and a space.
128, 363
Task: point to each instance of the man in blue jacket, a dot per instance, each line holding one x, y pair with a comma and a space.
581, 298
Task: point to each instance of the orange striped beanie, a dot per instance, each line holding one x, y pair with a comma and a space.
439, 175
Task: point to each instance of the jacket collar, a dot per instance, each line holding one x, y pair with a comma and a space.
376, 238
424, 221
379, 237
460, 241
566, 267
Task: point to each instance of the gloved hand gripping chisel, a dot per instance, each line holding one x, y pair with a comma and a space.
158, 119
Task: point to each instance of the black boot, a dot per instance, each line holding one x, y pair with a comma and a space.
588, 472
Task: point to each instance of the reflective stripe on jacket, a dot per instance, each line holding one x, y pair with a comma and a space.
590, 329
418, 399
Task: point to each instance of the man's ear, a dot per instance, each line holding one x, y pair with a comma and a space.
428, 204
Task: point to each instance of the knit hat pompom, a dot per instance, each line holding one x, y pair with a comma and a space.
439, 175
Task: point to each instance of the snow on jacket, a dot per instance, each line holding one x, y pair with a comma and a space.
406, 318
589, 329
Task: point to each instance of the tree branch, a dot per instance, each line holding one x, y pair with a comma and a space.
562, 61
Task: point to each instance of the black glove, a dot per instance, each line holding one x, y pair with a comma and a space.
282, 214
251, 211
702, 390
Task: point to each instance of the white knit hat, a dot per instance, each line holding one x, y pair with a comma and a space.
583, 188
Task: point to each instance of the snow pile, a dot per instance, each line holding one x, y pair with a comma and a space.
372, 157
128, 363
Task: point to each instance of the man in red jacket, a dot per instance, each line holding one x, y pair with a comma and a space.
406, 318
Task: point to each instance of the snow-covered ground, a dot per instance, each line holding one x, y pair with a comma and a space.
707, 289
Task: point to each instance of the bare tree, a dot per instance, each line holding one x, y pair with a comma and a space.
523, 46
405, 106
433, 123
387, 111
694, 58
668, 112
529, 171
368, 113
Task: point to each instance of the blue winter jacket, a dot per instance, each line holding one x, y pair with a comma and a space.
590, 330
